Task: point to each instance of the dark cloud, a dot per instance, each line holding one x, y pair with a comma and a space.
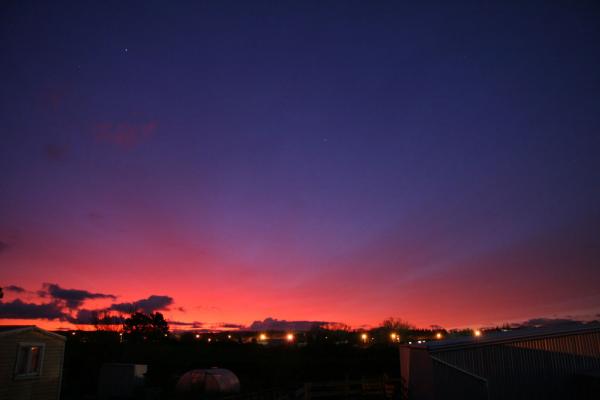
192, 325
148, 305
271, 324
14, 288
541, 322
228, 325
55, 152
88, 317
83, 316
73, 298
20, 310
65, 305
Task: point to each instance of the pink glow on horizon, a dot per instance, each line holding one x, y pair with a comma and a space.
212, 284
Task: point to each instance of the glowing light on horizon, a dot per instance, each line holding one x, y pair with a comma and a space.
290, 337
364, 337
438, 335
263, 336
477, 333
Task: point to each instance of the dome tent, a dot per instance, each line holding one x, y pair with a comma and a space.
207, 382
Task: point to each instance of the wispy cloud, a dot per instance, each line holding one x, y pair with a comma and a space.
188, 325
229, 325
14, 289
125, 134
55, 152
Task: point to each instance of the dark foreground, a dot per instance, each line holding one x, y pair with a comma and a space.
259, 368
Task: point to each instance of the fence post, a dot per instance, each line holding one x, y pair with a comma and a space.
347, 388
307, 391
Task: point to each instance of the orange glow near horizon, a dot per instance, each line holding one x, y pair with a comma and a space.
344, 292
220, 302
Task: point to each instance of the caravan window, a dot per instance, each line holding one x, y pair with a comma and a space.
29, 359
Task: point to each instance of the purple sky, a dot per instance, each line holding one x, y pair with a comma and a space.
333, 161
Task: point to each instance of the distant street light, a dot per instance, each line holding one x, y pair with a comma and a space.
477, 333
263, 336
290, 337
364, 337
438, 336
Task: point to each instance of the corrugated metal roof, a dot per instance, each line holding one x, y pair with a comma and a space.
507, 336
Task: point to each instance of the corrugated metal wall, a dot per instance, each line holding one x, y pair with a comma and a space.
541, 368
463, 386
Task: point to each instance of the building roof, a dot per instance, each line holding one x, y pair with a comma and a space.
6, 330
515, 335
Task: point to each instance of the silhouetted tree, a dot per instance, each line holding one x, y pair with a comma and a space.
105, 321
1, 294
397, 324
140, 326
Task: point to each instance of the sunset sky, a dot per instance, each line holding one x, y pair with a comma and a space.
224, 162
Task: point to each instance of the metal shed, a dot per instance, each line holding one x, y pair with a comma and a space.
536, 363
